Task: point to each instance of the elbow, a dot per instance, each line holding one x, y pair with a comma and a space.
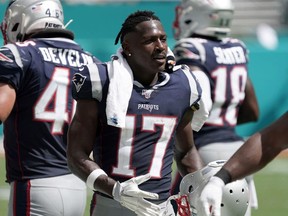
255, 116
246, 116
77, 163
75, 167
252, 115
71, 162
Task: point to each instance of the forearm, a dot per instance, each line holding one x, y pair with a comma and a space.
81, 140
82, 166
252, 156
247, 160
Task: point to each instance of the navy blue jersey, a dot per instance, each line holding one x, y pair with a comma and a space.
40, 70
225, 63
146, 143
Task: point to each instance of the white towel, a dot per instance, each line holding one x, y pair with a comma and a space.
120, 89
200, 116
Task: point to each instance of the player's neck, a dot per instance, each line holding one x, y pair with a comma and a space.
147, 81
155, 80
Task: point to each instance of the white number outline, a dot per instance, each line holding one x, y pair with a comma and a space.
56, 91
237, 78
126, 144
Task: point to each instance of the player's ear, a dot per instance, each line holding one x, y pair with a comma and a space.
125, 47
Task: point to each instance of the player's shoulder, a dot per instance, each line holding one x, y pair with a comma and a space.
181, 72
12, 55
21, 49
190, 48
6, 50
88, 81
94, 70
180, 69
234, 42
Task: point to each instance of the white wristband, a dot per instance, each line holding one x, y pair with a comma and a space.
93, 176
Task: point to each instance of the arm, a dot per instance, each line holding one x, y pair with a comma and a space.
81, 138
249, 110
7, 100
186, 154
259, 149
253, 155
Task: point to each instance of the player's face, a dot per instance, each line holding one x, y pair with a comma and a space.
148, 47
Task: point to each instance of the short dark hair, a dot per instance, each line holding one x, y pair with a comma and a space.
132, 20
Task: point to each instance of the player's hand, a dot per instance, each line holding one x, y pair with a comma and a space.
209, 203
131, 197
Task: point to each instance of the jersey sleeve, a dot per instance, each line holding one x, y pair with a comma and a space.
88, 82
12, 68
190, 51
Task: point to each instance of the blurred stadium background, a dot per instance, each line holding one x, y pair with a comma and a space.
261, 24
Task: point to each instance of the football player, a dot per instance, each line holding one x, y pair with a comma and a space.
37, 63
134, 110
202, 29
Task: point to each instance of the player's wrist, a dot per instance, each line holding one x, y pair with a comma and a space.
217, 181
93, 176
224, 175
116, 192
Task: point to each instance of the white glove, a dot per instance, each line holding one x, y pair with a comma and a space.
211, 197
131, 197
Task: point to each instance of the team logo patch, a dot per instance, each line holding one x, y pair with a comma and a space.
5, 58
147, 93
78, 81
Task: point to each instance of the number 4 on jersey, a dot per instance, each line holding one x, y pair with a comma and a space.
52, 106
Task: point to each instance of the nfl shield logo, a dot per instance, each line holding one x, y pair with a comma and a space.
147, 93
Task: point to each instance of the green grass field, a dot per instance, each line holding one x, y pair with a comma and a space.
271, 185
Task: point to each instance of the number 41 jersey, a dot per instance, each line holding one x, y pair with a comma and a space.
40, 71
